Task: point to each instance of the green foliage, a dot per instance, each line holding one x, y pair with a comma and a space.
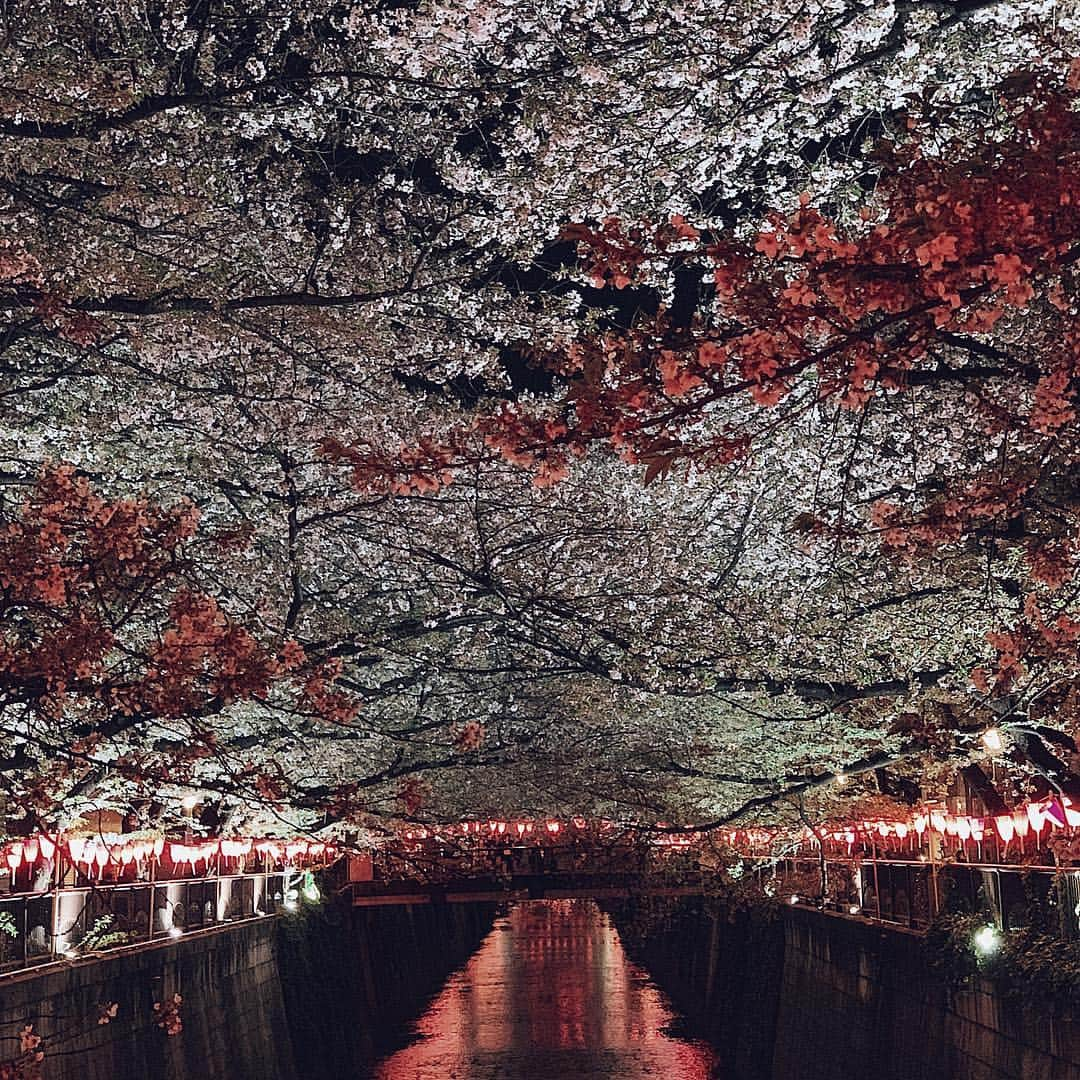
1032, 964
102, 935
7, 924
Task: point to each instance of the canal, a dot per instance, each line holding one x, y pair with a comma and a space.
549, 995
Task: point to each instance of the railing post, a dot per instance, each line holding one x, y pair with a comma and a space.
153, 898
935, 900
877, 885
57, 879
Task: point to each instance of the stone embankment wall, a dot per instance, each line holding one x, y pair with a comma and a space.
814, 996
280, 999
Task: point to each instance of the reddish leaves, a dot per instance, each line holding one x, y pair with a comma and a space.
99, 621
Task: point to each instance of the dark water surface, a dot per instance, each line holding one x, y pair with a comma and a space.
550, 995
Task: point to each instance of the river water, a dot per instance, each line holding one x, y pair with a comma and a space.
549, 995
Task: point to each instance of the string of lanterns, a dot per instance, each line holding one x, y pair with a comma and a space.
93, 854
1030, 819
499, 829
911, 833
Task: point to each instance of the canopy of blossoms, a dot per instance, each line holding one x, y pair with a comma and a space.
451, 410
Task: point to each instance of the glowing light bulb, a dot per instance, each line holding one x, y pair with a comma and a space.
991, 739
987, 940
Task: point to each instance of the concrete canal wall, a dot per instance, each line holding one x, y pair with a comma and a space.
814, 996
273, 999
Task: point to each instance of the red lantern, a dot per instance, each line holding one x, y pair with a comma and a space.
14, 857
1055, 813
30, 849
47, 847
1005, 827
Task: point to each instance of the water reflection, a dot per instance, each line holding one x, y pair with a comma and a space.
550, 995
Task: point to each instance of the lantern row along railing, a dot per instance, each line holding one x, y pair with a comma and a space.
130, 857
1043, 832
63, 898
1035, 832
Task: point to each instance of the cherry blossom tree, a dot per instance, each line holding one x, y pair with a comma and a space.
403, 304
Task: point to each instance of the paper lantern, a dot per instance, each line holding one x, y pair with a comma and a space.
77, 848
901, 830
1036, 816
1054, 813
46, 846
520, 828
938, 822
1021, 823
553, 827
1072, 816
1005, 827
920, 824
963, 829
978, 828
14, 857
30, 849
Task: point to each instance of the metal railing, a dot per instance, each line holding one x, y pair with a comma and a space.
72, 921
911, 894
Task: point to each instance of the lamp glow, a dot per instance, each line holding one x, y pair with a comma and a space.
991, 739
987, 940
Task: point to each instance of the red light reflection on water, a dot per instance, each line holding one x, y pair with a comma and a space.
550, 995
